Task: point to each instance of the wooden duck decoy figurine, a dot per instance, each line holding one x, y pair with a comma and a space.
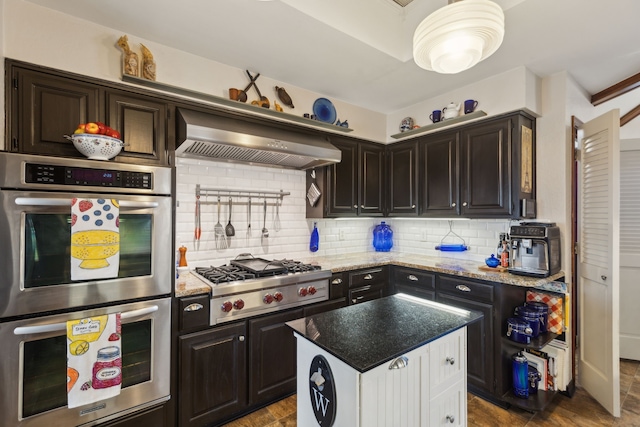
130, 61
284, 97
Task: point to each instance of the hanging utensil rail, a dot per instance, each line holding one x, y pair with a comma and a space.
238, 194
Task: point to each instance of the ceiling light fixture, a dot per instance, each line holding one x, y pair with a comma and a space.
458, 36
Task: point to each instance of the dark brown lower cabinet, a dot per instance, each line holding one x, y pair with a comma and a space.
212, 375
272, 357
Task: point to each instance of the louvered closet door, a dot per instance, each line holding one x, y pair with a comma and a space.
629, 249
599, 260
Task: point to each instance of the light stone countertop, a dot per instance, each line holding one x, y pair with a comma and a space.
339, 263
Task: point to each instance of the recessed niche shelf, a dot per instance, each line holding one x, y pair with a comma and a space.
218, 100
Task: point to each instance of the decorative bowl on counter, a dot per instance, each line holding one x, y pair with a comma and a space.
95, 146
492, 261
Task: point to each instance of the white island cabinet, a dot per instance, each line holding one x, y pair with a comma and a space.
364, 365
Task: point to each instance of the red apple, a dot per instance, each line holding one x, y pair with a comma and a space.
112, 133
91, 127
101, 128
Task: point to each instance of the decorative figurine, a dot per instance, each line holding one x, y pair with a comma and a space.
130, 61
284, 96
148, 64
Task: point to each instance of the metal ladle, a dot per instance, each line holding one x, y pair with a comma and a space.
265, 232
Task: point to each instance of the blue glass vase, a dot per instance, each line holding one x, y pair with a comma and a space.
382, 237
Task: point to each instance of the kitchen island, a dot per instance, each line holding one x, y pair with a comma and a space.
395, 361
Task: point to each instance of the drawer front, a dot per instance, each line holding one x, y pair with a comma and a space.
466, 289
194, 312
338, 285
449, 409
447, 364
365, 293
415, 291
367, 277
413, 277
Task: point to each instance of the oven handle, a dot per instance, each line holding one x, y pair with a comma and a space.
53, 327
41, 201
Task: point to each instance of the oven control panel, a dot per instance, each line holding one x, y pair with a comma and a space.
86, 177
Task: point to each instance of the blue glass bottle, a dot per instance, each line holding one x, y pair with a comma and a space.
314, 243
382, 237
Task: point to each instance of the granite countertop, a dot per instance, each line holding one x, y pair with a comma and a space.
369, 334
452, 266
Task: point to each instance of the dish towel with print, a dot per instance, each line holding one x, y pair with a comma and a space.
95, 238
94, 360
555, 323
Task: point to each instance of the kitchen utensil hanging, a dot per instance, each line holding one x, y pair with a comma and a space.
248, 219
313, 193
448, 247
276, 220
198, 230
218, 229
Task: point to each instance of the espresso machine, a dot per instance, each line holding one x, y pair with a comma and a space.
535, 249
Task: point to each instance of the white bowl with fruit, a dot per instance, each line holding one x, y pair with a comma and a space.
96, 140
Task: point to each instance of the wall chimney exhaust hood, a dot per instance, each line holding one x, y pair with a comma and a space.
202, 135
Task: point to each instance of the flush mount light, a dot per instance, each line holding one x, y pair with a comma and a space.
458, 36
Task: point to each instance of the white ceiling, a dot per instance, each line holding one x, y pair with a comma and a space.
359, 51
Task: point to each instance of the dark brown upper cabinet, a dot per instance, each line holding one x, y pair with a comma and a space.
142, 121
402, 172
355, 186
44, 104
43, 107
439, 178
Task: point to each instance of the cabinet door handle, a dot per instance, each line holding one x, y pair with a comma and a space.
464, 203
361, 206
355, 300
194, 307
463, 288
241, 338
399, 363
453, 205
368, 277
336, 282
412, 278
451, 419
413, 206
450, 360
355, 206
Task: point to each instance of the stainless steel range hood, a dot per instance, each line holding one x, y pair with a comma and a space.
202, 135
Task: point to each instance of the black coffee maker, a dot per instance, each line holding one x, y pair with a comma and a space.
535, 249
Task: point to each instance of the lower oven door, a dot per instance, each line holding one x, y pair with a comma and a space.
33, 366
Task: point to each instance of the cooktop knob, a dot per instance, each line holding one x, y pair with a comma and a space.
302, 292
268, 299
278, 296
311, 290
238, 304
226, 306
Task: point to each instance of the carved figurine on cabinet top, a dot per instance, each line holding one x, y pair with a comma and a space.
148, 64
130, 60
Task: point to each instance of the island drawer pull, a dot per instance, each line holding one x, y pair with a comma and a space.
463, 288
368, 277
399, 363
194, 307
451, 419
336, 282
450, 360
412, 278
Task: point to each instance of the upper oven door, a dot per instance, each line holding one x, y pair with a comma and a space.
35, 270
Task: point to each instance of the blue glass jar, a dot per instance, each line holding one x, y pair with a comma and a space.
382, 237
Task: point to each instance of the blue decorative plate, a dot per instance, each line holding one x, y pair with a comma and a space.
324, 110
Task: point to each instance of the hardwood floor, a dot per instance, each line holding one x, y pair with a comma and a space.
580, 410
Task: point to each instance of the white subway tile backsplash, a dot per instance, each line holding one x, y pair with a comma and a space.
337, 237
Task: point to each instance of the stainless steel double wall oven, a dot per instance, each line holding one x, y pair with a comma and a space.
37, 295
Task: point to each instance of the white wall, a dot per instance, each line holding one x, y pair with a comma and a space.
512, 90
42, 36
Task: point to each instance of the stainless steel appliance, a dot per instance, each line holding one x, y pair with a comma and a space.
35, 218
250, 286
535, 249
37, 295
34, 361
